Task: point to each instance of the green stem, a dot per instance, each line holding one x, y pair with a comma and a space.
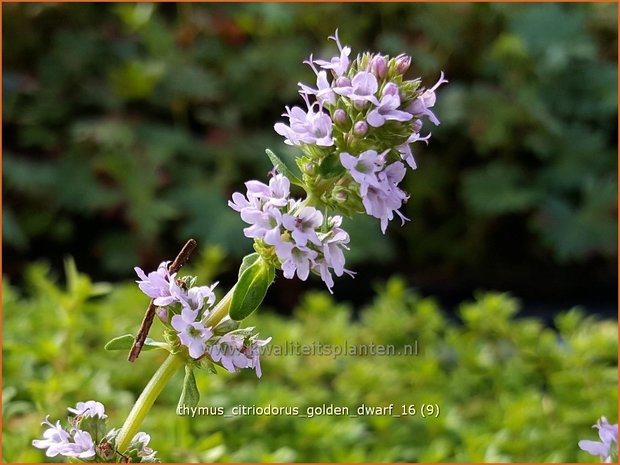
146, 400
220, 310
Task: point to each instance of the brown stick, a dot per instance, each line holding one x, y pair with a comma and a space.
147, 321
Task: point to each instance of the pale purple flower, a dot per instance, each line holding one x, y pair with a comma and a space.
279, 190
387, 111
228, 351
82, 448
157, 284
192, 334
89, 408
55, 439
384, 198
390, 88
257, 189
609, 437
239, 202
322, 268
58, 441
405, 149
253, 353
323, 93
363, 88
421, 105
333, 245
303, 225
363, 169
194, 298
295, 259
140, 441
311, 127
340, 63
265, 225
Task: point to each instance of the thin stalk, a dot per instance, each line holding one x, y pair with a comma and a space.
147, 398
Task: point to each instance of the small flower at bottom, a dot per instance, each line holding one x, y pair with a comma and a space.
57, 441
607, 448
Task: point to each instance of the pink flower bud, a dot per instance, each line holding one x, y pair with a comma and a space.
340, 117
360, 128
402, 63
378, 66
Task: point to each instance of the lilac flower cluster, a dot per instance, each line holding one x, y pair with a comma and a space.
362, 108
235, 350
607, 447
300, 237
186, 308
76, 443
355, 135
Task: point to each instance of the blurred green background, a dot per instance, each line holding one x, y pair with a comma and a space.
126, 128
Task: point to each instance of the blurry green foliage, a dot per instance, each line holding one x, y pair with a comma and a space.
508, 389
129, 125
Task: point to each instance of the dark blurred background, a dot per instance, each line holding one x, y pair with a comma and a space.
128, 126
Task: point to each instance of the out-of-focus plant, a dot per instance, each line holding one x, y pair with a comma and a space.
526, 392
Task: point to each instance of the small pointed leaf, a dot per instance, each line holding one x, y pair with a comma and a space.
283, 169
190, 395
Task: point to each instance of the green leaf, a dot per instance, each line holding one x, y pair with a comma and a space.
283, 169
247, 262
190, 395
125, 342
251, 289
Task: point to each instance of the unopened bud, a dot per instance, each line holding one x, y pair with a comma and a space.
402, 63
310, 168
340, 117
360, 128
378, 66
162, 313
340, 196
417, 125
390, 89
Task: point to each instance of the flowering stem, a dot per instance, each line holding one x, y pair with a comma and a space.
146, 400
